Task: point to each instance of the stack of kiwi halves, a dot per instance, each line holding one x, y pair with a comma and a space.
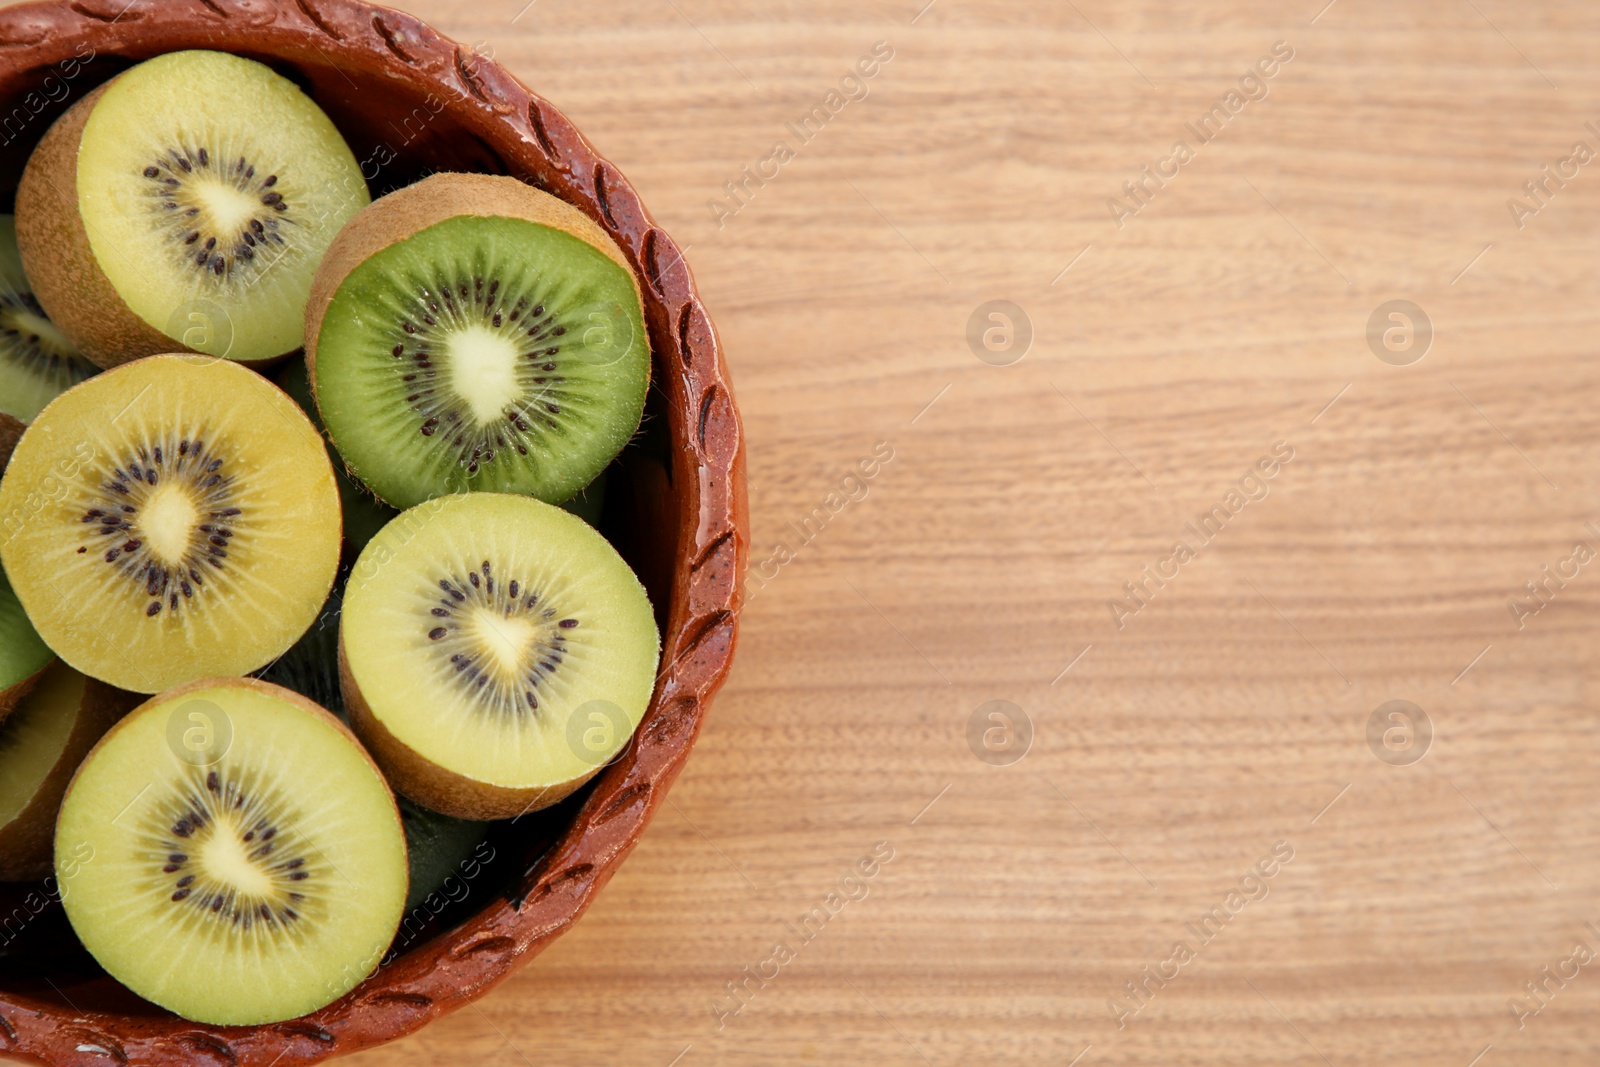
301, 583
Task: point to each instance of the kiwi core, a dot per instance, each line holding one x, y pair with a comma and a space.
145, 516
224, 859
484, 371
229, 208
170, 519
223, 849
501, 638
508, 639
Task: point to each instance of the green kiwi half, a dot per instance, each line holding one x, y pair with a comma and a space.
473, 333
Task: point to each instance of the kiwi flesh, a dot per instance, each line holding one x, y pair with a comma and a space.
41, 745
252, 875
185, 205
495, 652
173, 518
23, 653
37, 361
472, 333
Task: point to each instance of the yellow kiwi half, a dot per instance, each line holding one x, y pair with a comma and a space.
185, 204
171, 519
495, 653
229, 852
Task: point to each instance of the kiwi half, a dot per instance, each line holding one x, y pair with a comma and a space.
171, 519
495, 652
23, 653
470, 332
36, 360
41, 745
246, 862
185, 205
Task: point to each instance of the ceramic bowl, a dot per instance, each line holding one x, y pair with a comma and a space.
410, 102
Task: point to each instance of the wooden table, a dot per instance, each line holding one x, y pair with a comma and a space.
1203, 749
1229, 715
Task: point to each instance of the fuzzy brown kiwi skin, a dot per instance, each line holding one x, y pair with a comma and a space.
10, 698
431, 785
395, 217
278, 692
60, 264
10, 433
74, 292
25, 842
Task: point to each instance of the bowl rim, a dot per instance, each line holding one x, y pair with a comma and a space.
536, 143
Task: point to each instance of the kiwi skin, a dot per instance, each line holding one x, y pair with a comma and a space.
10, 698
10, 434
395, 217
431, 785
74, 292
25, 843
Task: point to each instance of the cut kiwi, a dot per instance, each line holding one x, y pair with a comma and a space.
23, 653
41, 745
364, 514
495, 652
470, 332
36, 360
185, 205
246, 864
171, 519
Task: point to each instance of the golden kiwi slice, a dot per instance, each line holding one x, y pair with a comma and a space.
171, 519
185, 204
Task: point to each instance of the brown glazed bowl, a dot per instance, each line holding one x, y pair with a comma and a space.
411, 102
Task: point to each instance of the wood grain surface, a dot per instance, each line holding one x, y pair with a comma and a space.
1208, 753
